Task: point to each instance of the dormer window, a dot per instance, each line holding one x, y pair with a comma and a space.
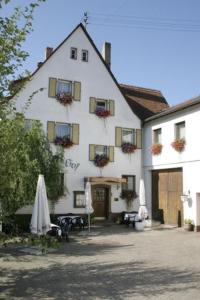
73, 54
84, 55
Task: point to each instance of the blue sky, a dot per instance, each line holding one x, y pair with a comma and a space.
167, 60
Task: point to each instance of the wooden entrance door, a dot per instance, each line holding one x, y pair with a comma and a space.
100, 200
167, 186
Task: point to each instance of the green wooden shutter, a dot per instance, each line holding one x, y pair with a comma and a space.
118, 136
92, 104
77, 91
112, 107
51, 131
111, 153
139, 138
91, 152
75, 134
52, 87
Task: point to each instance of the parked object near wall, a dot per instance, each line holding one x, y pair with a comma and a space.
188, 225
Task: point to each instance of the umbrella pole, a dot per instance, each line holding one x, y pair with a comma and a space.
89, 222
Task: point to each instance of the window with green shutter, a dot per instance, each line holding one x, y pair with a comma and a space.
128, 135
63, 130
62, 86
101, 150
102, 104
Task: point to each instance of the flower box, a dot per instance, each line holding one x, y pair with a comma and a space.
178, 145
102, 113
64, 141
128, 148
128, 194
101, 160
156, 149
64, 98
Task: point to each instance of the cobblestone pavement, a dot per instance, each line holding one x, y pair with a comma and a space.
114, 262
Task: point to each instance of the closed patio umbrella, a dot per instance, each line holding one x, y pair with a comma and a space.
142, 213
88, 202
40, 221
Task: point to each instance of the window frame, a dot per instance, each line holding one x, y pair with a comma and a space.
64, 81
156, 133
86, 53
177, 130
76, 193
134, 183
71, 53
133, 135
64, 124
106, 153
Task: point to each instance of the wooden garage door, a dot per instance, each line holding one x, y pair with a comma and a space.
167, 186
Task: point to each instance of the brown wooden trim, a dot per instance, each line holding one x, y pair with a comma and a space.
75, 194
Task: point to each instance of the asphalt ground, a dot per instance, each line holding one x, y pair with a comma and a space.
113, 262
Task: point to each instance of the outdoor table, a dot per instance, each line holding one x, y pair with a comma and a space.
73, 220
131, 218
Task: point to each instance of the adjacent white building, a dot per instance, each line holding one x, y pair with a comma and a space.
174, 172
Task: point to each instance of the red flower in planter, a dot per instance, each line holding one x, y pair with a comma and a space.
64, 98
178, 145
102, 113
64, 141
128, 148
101, 160
156, 149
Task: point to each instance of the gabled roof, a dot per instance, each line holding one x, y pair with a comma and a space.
142, 101
176, 108
147, 102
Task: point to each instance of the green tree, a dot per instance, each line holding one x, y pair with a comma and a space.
13, 33
24, 154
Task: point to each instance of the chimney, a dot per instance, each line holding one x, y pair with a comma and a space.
106, 53
48, 52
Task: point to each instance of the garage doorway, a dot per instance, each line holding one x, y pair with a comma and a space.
167, 187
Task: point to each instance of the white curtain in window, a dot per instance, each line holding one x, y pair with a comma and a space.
64, 87
128, 136
100, 150
62, 130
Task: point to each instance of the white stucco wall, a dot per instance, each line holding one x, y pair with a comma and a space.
95, 82
188, 160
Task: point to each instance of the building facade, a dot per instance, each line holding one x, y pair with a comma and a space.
78, 87
172, 172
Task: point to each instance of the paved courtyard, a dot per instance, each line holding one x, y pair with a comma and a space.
113, 263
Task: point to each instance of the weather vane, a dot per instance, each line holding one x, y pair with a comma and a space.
85, 19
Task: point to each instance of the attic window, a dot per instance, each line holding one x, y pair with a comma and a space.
73, 54
84, 55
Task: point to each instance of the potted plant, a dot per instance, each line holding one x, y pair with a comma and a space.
102, 113
64, 98
101, 160
178, 145
128, 148
156, 148
64, 141
188, 225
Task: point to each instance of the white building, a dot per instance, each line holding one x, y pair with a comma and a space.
76, 68
173, 172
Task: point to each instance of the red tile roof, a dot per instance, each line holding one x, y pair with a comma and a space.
144, 101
